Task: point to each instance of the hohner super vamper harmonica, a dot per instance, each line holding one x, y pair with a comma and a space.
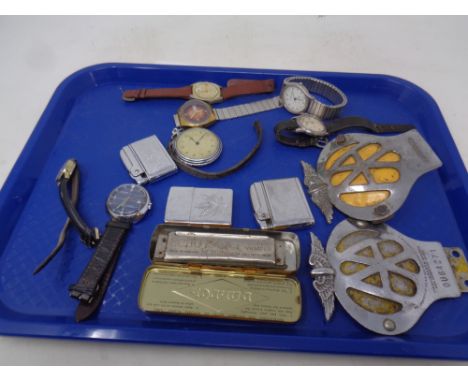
224, 273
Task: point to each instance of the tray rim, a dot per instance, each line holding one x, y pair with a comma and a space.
68, 329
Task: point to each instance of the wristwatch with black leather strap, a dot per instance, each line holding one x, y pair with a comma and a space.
127, 204
205, 91
68, 175
108, 246
307, 130
85, 310
68, 182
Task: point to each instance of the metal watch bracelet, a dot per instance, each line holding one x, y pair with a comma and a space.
247, 108
323, 89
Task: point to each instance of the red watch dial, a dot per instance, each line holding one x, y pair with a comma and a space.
195, 111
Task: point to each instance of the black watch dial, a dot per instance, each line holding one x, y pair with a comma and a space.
128, 202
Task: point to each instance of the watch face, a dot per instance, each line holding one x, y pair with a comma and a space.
206, 91
198, 146
310, 125
128, 202
195, 113
294, 100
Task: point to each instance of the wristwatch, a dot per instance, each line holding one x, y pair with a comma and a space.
68, 182
127, 204
307, 130
205, 91
197, 146
196, 113
67, 176
297, 96
189, 156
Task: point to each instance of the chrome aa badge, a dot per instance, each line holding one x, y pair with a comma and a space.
368, 177
383, 279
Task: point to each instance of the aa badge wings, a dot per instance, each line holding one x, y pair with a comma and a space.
323, 275
318, 191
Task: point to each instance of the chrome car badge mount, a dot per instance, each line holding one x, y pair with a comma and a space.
382, 278
368, 177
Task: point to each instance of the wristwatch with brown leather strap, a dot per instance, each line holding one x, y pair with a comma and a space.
205, 91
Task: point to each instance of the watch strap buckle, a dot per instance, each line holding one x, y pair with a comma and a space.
67, 170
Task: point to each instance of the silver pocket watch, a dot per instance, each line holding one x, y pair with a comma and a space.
196, 146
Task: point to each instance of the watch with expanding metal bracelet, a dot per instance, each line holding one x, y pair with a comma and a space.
196, 113
205, 91
298, 95
307, 130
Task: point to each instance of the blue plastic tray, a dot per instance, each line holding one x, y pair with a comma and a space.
86, 119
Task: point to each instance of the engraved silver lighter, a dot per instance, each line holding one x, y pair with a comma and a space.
194, 205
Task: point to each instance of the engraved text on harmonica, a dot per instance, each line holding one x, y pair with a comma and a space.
220, 247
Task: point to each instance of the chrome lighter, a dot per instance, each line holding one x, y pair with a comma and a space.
147, 160
280, 203
194, 205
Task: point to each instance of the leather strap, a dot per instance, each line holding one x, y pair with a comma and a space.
219, 174
134, 94
88, 235
359, 122
297, 140
237, 87
75, 191
303, 140
86, 310
108, 248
